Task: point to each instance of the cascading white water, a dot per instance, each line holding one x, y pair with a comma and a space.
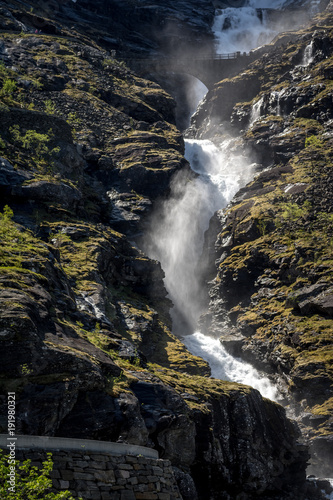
243, 29
226, 367
176, 240
256, 111
177, 230
308, 55
223, 172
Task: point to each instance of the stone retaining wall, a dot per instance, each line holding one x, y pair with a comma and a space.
101, 476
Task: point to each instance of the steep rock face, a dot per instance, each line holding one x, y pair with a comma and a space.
66, 320
85, 329
115, 132
273, 289
202, 433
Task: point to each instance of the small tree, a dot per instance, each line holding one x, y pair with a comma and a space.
30, 482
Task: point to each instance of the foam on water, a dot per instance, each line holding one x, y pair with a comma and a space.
226, 367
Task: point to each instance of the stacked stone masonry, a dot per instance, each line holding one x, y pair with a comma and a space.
101, 476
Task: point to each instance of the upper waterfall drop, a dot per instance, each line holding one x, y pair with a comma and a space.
245, 28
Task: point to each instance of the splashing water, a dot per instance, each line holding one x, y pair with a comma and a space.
243, 29
176, 241
308, 54
224, 366
177, 233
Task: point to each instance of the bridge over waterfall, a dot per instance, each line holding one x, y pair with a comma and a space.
208, 70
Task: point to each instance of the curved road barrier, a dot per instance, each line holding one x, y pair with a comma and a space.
61, 444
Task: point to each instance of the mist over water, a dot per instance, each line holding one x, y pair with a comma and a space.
178, 227
176, 240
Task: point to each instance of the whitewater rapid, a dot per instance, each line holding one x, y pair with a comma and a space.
224, 366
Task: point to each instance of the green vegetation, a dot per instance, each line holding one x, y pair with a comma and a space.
287, 252
50, 107
203, 388
38, 145
18, 247
30, 483
314, 142
8, 87
73, 119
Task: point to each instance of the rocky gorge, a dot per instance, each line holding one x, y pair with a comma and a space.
88, 148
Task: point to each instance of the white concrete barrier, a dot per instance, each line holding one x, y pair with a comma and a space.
60, 443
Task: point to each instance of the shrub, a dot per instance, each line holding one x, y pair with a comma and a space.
30, 482
8, 87
37, 144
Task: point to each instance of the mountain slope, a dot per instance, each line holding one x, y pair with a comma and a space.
87, 147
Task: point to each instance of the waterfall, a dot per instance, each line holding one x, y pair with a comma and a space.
274, 102
176, 240
256, 111
274, 106
226, 367
177, 229
308, 55
245, 28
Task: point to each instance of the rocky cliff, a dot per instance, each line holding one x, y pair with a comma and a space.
274, 249
86, 148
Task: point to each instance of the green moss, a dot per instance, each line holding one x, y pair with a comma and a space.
292, 238
117, 385
201, 387
325, 409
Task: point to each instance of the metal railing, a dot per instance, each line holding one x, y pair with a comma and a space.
180, 60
